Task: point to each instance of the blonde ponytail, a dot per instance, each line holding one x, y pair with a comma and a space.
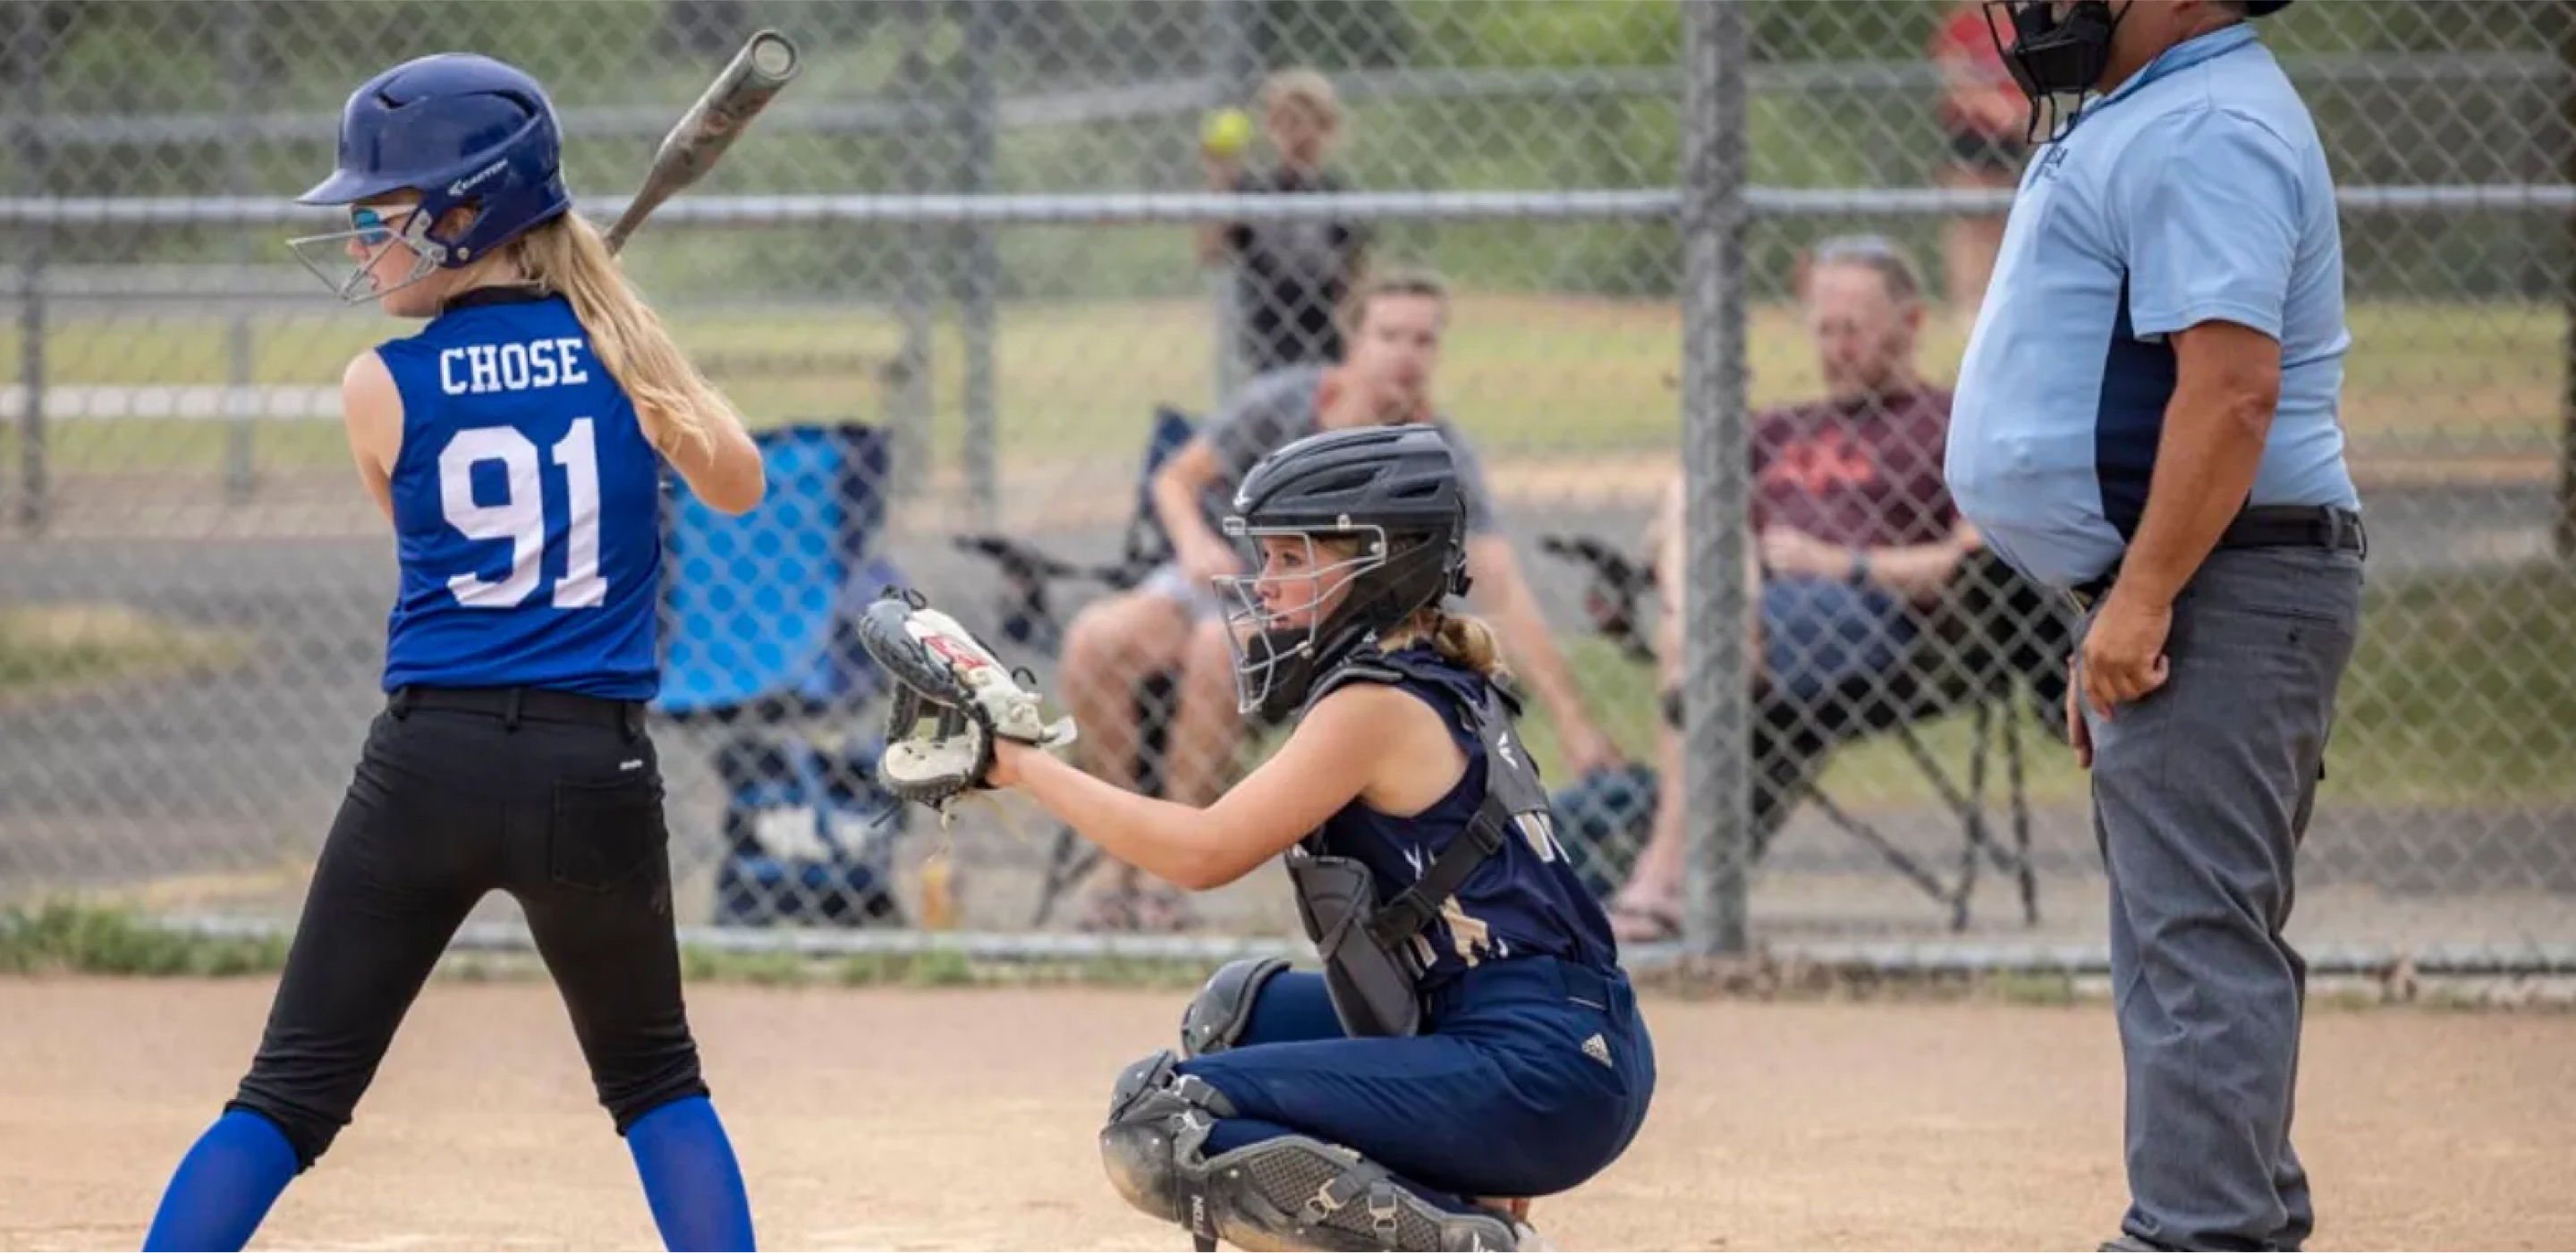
1460, 639
672, 400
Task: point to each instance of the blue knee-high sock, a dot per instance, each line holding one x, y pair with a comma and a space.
224, 1186
690, 1177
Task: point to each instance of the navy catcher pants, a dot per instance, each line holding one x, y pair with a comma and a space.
1533, 1076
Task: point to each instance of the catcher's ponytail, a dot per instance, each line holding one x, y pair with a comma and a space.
1460, 639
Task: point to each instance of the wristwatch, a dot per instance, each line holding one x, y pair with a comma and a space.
1860, 567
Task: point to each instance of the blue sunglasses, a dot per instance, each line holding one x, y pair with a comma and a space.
372, 229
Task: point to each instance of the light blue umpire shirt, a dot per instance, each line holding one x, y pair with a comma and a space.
2197, 190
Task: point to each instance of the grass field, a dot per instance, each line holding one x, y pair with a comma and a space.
2457, 697
1531, 376
53, 649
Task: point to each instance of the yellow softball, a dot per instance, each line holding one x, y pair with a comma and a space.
1226, 133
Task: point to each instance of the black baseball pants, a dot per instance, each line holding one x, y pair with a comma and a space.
551, 797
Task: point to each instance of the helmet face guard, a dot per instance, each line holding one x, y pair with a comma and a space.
354, 283
1392, 494
1279, 651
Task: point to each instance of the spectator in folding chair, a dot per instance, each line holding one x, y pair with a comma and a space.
1856, 533
1172, 621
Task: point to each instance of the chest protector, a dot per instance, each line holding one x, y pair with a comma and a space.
1372, 967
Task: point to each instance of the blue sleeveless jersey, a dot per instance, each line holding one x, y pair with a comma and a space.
1526, 900
527, 508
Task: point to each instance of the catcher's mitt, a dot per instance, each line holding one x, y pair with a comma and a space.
953, 697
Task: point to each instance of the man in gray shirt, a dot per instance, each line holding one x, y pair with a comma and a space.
1173, 621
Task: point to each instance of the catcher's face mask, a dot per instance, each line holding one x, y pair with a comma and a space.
1276, 621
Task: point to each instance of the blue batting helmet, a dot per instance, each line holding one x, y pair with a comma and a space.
457, 129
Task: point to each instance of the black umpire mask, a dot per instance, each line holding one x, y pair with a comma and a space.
2058, 52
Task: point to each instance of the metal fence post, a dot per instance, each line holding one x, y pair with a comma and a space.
241, 398
2564, 533
982, 277
917, 276
1716, 750
1235, 64
29, 36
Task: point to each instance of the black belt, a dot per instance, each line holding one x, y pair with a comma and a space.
514, 704
2270, 526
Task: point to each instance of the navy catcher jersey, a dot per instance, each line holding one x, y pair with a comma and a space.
527, 508
1525, 900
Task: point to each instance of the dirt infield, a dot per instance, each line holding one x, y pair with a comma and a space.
919, 1119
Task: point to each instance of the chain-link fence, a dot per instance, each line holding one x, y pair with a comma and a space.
976, 259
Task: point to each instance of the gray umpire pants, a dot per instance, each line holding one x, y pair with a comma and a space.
2201, 793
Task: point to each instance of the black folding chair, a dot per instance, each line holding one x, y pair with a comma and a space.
1993, 641
1028, 615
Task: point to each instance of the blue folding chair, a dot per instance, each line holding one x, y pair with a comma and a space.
758, 637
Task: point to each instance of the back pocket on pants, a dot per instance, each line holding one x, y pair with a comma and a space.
605, 835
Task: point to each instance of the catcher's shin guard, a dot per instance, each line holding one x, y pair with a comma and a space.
1290, 1192
1217, 1017
1159, 1118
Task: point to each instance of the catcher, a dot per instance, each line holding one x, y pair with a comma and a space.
1471, 1035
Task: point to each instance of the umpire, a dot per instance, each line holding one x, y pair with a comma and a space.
2146, 418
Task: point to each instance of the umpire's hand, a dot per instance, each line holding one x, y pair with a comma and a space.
2078, 736
2122, 660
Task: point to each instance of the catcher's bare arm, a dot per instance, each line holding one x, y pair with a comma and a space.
962, 721
1371, 742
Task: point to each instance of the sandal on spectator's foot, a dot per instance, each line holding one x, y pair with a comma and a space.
1109, 909
1644, 924
1162, 908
